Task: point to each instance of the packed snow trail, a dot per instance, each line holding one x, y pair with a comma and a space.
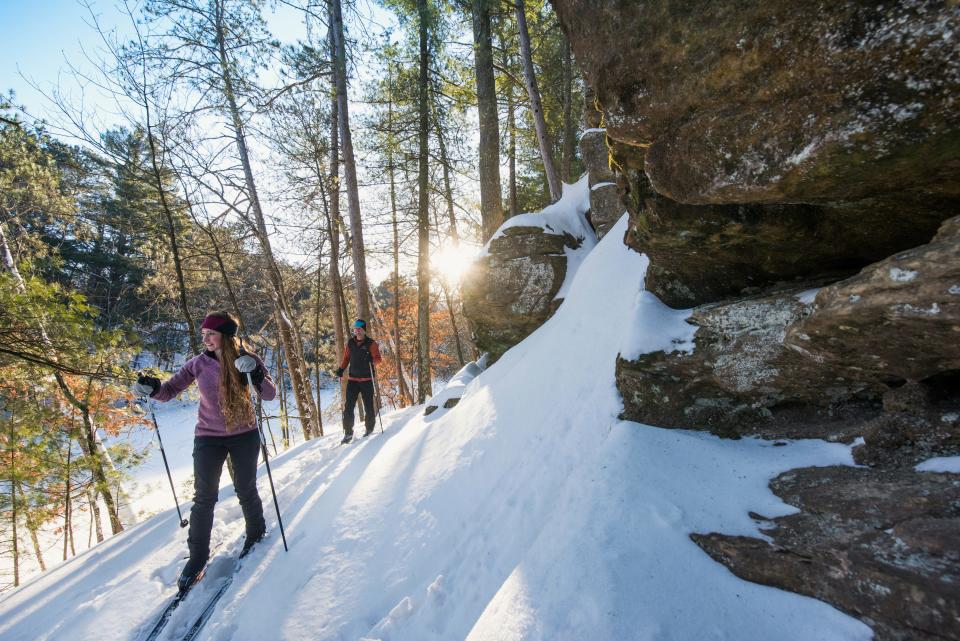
526, 512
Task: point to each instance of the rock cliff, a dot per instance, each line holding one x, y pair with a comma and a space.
792, 170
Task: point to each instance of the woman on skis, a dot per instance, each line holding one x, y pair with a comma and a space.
225, 426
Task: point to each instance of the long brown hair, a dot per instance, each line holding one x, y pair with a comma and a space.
234, 397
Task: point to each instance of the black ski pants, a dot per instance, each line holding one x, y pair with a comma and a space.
363, 389
209, 454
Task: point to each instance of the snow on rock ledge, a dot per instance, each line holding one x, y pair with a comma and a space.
455, 388
525, 269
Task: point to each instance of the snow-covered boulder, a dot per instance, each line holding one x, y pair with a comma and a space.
525, 269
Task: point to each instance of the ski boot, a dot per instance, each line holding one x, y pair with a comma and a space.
250, 541
192, 572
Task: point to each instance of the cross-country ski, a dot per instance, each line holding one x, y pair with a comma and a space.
161, 621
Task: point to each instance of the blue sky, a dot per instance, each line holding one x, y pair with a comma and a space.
37, 37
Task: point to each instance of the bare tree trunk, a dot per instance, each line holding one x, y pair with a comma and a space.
35, 541
345, 310
569, 148
95, 516
8, 262
491, 204
333, 231
453, 323
349, 164
279, 375
530, 79
36, 549
67, 527
13, 506
88, 443
100, 458
346, 323
403, 385
284, 406
334, 226
512, 149
288, 331
73, 546
424, 383
316, 346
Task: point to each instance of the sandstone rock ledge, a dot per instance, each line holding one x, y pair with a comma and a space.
881, 546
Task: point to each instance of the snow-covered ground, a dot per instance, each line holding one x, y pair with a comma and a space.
527, 512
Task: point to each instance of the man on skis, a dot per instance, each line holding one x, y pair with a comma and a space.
363, 355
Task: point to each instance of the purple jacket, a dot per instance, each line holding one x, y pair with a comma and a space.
205, 369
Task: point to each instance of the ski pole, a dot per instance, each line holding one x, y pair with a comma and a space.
163, 453
376, 393
266, 459
343, 383
267, 421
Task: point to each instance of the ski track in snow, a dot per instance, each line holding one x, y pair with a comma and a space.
526, 512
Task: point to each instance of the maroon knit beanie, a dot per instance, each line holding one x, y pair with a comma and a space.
220, 324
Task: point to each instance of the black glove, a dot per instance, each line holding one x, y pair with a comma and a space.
257, 376
339, 372
147, 385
